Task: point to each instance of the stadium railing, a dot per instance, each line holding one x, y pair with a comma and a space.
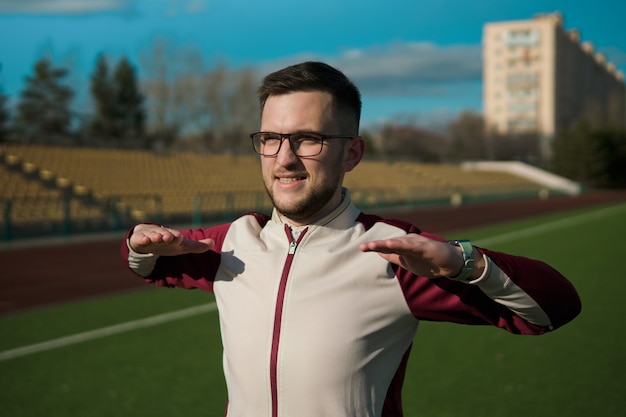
58, 191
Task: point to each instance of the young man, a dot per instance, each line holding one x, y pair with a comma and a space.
319, 303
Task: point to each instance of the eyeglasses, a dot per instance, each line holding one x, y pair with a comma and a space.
302, 143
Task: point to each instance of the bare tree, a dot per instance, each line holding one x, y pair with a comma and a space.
188, 107
243, 109
468, 138
157, 64
413, 142
217, 104
215, 89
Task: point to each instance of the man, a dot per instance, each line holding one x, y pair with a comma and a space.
319, 303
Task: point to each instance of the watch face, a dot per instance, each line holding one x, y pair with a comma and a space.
468, 260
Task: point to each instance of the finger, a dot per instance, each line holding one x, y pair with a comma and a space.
398, 246
375, 245
145, 239
137, 240
196, 246
163, 234
381, 247
148, 239
393, 258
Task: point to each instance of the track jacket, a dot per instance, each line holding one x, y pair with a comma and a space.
313, 327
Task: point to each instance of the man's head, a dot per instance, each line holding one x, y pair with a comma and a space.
317, 99
317, 76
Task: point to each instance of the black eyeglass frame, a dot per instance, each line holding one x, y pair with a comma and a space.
319, 136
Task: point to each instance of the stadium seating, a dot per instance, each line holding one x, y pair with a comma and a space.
46, 183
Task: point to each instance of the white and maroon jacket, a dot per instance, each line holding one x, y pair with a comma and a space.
312, 326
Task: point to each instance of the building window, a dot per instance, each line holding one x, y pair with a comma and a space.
522, 78
522, 92
522, 124
522, 107
521, 37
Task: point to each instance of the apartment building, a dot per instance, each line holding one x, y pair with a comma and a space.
540, 78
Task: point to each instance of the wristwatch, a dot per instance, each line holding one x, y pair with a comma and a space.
468, 260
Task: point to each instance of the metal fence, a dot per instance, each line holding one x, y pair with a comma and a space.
35, 217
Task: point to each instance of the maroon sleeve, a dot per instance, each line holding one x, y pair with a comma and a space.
188, 271
551, 290
443, 299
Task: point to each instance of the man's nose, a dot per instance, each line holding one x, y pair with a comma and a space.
286, 155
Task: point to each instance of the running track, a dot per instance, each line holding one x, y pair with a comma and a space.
45, 273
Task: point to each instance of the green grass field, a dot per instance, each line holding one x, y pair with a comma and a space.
174, 368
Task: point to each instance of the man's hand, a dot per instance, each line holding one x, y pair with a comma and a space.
423, 256
163, 241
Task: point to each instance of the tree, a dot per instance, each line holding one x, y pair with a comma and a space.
242, 106
215, 90
614, 141
410, 141
128, 101
595, 157
157, 63
118, 101
43, 111
469, 140
4, 117
103, 96
213, 108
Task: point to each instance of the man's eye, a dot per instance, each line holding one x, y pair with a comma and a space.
306, 138
269, 140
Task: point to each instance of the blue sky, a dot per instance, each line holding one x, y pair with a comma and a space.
411, 58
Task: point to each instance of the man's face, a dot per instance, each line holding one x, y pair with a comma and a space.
305, 189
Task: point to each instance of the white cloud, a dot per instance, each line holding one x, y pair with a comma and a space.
616, 56
402, 68
411, 68
176, 8
63, 7
196, 6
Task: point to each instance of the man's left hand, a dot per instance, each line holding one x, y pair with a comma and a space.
423, 256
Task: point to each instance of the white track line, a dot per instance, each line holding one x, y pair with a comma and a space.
107, 331
205, 308
555, 225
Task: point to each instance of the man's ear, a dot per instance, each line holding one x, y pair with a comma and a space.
354, 152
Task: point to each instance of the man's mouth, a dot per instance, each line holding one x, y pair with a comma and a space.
291, 178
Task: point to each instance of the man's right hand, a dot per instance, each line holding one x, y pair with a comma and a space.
163, 241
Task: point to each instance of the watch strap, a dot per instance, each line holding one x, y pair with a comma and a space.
468, 259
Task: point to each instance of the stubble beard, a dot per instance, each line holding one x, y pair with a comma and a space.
309, 204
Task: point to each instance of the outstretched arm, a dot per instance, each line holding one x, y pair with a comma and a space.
163, 241
169, 257
530, 289
424, 256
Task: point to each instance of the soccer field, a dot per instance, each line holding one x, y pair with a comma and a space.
157, 352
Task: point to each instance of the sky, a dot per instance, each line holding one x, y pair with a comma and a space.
412, 59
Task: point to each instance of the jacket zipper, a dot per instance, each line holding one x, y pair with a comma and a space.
278, 316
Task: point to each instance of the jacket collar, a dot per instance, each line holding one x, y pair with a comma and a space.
343, 216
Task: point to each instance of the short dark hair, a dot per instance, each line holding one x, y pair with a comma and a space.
315, 76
